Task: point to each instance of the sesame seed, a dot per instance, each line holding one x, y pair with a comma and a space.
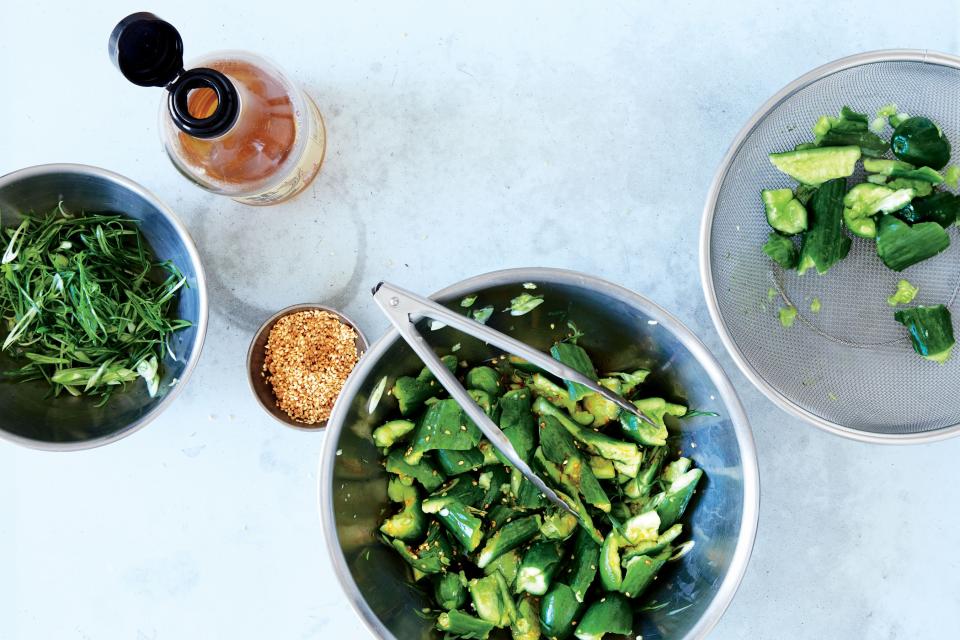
309, 355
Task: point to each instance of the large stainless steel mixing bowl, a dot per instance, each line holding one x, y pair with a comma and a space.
623, 330
27, 415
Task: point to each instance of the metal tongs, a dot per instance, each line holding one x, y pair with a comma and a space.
405, 308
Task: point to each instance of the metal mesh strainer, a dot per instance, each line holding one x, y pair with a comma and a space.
849, 368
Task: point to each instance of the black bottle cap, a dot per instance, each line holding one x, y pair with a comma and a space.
148, 52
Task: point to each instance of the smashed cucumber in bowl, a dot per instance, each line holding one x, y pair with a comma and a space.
902, 205
489, 548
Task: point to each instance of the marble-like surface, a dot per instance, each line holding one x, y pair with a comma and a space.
578, 135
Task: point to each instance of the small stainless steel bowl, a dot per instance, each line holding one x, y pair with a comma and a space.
256, 355
622, 329
27, 415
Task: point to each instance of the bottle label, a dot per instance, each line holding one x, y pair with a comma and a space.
304, 171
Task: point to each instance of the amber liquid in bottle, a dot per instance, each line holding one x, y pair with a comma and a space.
261, 140
254, 161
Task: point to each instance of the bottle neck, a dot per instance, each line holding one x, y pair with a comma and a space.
225, 99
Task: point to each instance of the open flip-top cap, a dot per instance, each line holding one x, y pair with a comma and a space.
147, 50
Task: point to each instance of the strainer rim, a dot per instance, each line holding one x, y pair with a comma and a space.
706, 228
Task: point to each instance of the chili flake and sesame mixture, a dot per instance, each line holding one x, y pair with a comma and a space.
309, 356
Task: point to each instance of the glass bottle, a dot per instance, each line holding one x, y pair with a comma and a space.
232, 123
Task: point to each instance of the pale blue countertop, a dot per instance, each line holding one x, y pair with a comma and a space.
549, 135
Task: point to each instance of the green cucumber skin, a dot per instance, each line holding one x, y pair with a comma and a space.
449, 361
931, 330
825, 243
606, 446
411, 393
450, 590
899, 169
585, 561
462, 525
870, 143
509, 536
443, 426
423, 472
920, 142
558, 610
518, 423
641, 572
558, 447
462, 490
675, 501
434, 556
610, 614
576, 357
485, 379
942, 207
498, 478
900, 246
526, 493
457, 462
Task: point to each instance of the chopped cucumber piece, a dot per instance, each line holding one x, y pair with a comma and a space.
858, 225
787, 316
952, 176
900, 169
897, 119
904, 294
782, 251
849, 129
825, 243
920, 142
931, 331
941, 207
609, 615
900, 245
784, 212
921, 188
816, 166
868, 199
